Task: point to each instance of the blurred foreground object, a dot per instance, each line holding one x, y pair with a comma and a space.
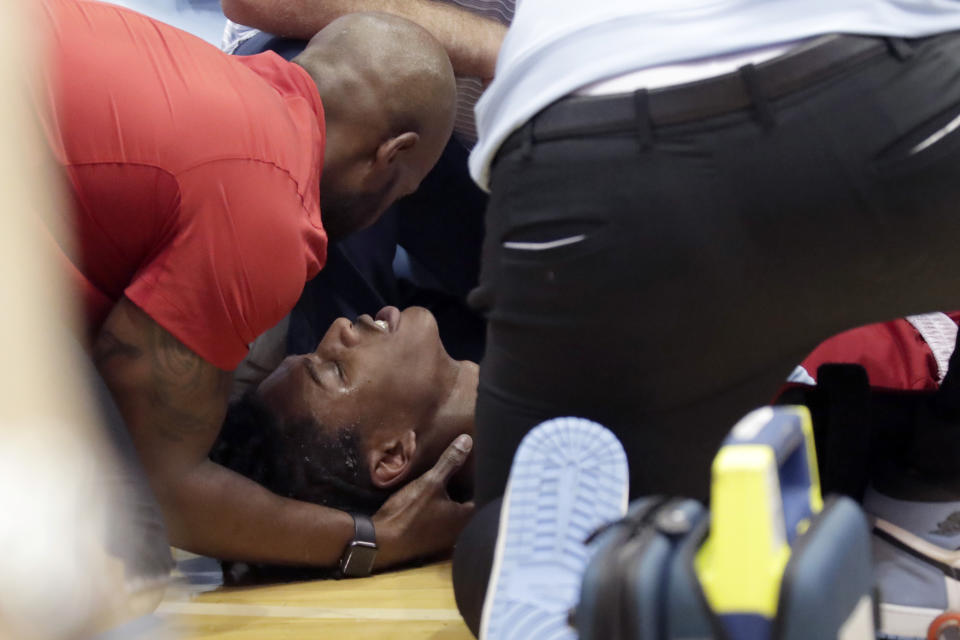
58, 489
769, 560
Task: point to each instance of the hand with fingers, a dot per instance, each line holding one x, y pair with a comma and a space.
421, 519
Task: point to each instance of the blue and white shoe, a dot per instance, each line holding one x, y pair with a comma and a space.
916, 551
569, 477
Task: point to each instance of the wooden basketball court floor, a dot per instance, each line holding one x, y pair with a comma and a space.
410, 604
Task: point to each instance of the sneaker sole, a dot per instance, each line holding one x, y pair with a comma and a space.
568, 477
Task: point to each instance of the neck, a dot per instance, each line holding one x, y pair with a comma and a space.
455, 416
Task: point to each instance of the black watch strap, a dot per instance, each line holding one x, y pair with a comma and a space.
357, 559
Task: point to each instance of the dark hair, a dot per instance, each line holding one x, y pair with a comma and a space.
296, 459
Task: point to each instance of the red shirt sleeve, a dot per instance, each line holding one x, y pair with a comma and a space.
236, 262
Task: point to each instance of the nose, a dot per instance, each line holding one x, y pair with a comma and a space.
341, 334
348, 333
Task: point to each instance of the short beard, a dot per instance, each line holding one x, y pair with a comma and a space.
346, 213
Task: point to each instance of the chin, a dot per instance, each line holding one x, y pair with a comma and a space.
419, 320
342, 216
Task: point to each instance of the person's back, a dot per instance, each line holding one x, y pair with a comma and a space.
181, 160
115, 67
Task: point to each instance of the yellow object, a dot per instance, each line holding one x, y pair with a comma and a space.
741, 563
806, 424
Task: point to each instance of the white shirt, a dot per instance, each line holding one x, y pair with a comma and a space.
555, 47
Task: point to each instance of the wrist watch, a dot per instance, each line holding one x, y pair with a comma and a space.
357, 559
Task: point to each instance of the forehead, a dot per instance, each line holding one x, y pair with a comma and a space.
282, 380
294, 394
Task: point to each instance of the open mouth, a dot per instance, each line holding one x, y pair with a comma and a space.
388, 318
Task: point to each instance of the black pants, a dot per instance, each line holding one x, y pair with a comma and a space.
694, 264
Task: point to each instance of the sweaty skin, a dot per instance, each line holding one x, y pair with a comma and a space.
392, 381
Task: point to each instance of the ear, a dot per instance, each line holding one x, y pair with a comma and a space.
391, 148
390, 462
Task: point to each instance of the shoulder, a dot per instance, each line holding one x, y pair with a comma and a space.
246, 243
250, 188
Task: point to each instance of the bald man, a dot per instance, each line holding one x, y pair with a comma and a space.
388, 97
204, 190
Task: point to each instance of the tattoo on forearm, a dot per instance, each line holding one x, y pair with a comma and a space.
108, 346
183, 385
185, 395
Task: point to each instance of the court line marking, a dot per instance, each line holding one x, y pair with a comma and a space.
320, 613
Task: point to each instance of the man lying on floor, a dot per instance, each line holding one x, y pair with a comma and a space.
378, 400
345, 426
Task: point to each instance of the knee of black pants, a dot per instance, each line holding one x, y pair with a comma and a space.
472, 561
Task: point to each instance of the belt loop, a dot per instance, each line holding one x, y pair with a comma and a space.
526, 147
899, 48
641, 114
761, 105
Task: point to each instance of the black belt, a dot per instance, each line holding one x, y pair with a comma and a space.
799, 68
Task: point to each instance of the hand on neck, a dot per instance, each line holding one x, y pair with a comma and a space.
454, 416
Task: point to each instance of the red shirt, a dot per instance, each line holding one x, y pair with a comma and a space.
194, 175
908, 354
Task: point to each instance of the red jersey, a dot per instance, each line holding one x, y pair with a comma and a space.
908, 354
194, 176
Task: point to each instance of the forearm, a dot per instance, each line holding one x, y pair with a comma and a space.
173, 403
471, 41
213, 511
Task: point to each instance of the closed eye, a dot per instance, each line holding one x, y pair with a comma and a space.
312, 371
329, 367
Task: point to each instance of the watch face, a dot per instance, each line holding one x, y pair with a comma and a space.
358, 560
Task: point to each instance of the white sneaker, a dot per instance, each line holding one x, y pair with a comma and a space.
569, 477
916, 551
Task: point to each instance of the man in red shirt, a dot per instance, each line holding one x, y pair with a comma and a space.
198, 214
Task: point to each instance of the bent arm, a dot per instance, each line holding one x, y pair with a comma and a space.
173, 403
471, 41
